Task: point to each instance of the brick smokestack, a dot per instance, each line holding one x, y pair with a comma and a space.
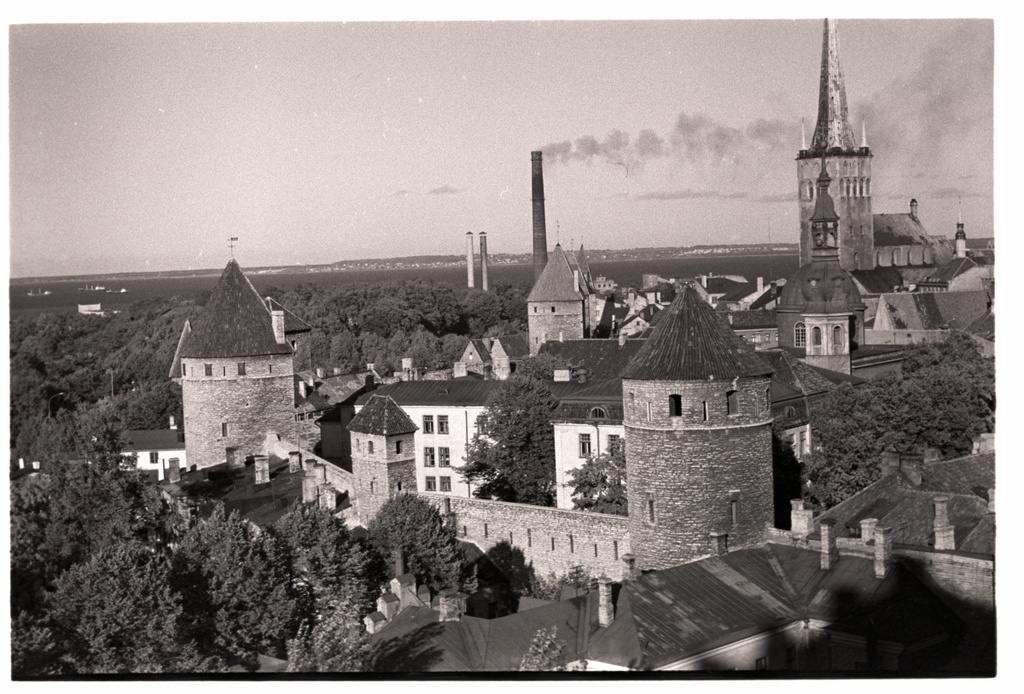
470, 268
540, 232
484, 284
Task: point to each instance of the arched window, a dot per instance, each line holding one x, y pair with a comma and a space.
675, 405
598, 413
856, 256
816, 336
837, 340
790, 412
800, 335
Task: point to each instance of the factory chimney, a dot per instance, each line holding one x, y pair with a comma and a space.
540, 234
470, 270
483, 262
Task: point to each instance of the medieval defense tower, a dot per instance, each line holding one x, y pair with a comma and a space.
850, 189
236, 365
697, 412
383, 454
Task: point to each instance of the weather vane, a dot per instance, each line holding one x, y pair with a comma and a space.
231, 245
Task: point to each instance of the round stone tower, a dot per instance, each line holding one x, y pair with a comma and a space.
237, 375
697, 414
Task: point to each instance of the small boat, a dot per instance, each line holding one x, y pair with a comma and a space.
92, 288
122, 290
39, 292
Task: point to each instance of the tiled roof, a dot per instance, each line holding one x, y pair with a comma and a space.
721, 285
455, 393
556, 282
155, 439
482, 350
909, 509
934, 310
790, 370
741, 320
514, 346
952, 270
580, 405
770, 295
292, 323
899, 229
603, 359
877, 281
739, 292
234, 323
382, 416
691, 342
984, 326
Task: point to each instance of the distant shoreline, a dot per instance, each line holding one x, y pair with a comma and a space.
411, 263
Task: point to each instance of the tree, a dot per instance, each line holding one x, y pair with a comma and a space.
546, 654
600, 484
335, 642
237, 588
428, 545
942, 399
515, 461
116, 613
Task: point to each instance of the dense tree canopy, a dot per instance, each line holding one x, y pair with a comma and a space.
428, 545
943, 398
515, 461
600, 484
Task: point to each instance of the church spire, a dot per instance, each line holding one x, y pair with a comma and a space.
833, 126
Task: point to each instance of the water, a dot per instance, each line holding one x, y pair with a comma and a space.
65, 295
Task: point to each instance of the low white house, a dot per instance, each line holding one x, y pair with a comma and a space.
157, 449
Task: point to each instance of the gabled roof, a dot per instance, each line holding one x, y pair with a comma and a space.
557, 282
933, 310
381, 416
691, 342
514, 346
741, 320
769, 295
984, 326
721, 285
455, 393
234, 323
482, 350
790, 370
292, 323
155, 440
952, 270
602, 359
877, 281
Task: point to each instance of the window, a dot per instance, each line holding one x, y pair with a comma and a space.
428, 424
552, 544
790, 412
572, 545
675, 405
208, 369
800, 335
650, 509
734, 511
465, 531
371, 486
446, 484
223, 371
767, 399
529, 538
485, 531
481, 425
534, 309
154, 458
595, 549
369, 447
428, 457
183, 370
399, 484
761, 664
732, 402
241, 368
598, 413
398, 447
704, 410
552, 309
359, 445
445, 456
442, 424
584, 445
430, 484
224, 429
816, 336
650, 412
270, 368
837, 340
614, 443
615, 550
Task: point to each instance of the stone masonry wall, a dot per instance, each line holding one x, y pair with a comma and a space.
546, 326
373, 471
856, 221
261, 400
594, 541
693, 471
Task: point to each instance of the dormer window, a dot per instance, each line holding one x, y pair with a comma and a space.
598, 413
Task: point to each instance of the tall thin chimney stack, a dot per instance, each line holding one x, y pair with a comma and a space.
470, 269
484, 284
540, 233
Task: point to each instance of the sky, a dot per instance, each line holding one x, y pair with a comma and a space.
138, 147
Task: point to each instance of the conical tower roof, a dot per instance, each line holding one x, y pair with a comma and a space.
381, 416
557, 282
234, 323
692, 343
833, 126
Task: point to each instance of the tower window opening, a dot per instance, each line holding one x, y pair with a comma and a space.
595, 549
572, 545
837, 340
529, 538
552, 309
675, 405
816, 337
552, 544
224, 430
183, 373
650, 412
398, 447
734, 511
615, 550
732, 402
208, 369
704, 410
800, 335
241, 368
369, 447
650, 509
224, 371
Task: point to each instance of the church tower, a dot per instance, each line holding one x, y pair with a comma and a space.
834, 140
236, 367
961, 236
697, 414
820, 308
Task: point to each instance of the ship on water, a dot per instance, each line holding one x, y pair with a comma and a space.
92, 288
39, 292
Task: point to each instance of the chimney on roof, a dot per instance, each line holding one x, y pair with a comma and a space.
448, 606
704, 281
399, 563
913, 208
302, 389
991, 499
605, 608
760, 284
470, 269
632, 571
883, 551
172, 424
336, 370
719, 543
540, 234
459, 369
575, 280
484, 284
867, 529
262, 469
911, 465
310, 492
801, 520
829, 553
622, 338
277, 321
889, 461
320, 373
945, 533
